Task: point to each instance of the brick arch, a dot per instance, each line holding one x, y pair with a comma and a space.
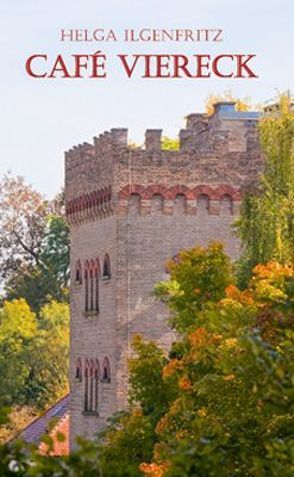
179, 190
131, 189
202, 190
134, 194
226, 189
156, 189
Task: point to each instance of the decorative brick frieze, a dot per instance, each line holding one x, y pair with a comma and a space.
92, 206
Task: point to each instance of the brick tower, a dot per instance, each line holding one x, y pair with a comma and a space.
130, 210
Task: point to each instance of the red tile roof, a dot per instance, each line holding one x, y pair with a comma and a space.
60, 447
56, 416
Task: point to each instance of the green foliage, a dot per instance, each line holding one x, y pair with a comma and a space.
36, 287
170, 144
33, 353
233, 371
197, 276
18, 326
221, 405
34, 245
50, 355
16, 419
48, 279
22, 223
126, 444
266, 225
147, 385
54, 252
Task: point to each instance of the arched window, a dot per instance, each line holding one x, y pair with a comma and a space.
78, 272
86, 290
106, 267
134, 204
96, 286
86, 396
203, 204
91, 290
180, 204
91, 387
157, 204
79, 370
226, 205
91, 277
106, 377
96, 384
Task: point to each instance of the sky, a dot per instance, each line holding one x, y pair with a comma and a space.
40, 119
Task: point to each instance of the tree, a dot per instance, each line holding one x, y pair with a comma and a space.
54, 251
18, 326
266, 224
34, 244
49, 357
22, 224
170, 144
33, 353
147, 384
231, 371
198, 276
227, 383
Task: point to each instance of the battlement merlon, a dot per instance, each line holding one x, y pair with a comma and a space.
200, 128
206, 139
114, 137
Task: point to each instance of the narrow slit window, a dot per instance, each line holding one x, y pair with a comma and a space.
97, 291
106, 267
79, 370
86, 290
78, 273
106, 371
91, 291
96, 389
86, 390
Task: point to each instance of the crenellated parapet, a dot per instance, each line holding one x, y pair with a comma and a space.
115, 138
221, 148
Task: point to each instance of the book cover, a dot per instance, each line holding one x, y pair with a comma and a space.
146, 245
